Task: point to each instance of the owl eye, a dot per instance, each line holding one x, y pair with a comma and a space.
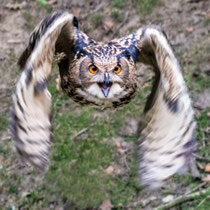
93, 69
117, 69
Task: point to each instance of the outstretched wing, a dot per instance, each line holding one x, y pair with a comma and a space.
166, 141
30, 111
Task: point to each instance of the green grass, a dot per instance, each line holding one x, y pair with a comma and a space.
116, 15
29, 21
146, 6
196, 83
95, 19
206, 21
76, 175
4, 122
195, 79
77, 169
202, 133
118, 3
196, 204
78, 165
202, 136
43, 4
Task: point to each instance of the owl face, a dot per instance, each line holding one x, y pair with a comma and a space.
101, 73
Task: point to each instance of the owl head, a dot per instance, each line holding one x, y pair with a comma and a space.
101, 74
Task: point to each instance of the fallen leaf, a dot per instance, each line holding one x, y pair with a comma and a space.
51, 2
145, 84
15, 6
42, 1
120, 148
119, 145
200, 165
207, 168
121, 151
75, 12
106, 205
109, 170
3, 189
145, 202
108, 24
168, 198
204, 13
190, 29
13, 41
206, 179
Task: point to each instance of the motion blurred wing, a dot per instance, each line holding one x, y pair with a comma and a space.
30, 111
167, 141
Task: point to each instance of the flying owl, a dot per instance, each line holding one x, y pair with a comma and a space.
103, 74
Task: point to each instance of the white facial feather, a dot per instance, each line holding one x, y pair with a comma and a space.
95, 90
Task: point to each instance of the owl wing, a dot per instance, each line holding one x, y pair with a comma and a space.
30, 111
167, 139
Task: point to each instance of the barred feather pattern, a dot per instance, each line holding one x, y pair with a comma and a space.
30, 112
166, 142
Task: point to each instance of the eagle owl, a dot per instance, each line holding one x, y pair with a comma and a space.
103, 74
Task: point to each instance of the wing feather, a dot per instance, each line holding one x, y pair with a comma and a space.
167, 139
30, 111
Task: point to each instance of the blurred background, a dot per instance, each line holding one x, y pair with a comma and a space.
93, 156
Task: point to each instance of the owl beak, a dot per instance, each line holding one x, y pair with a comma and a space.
105, 86
106, 78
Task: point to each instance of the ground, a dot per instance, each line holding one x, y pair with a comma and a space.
93, 157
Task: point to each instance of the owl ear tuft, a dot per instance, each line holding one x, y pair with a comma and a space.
75, 22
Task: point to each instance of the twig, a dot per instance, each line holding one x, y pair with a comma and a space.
201, 158
183, 199
194, 170
80, 133
196, 188
208, 197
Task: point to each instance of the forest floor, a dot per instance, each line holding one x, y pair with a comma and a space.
93, 159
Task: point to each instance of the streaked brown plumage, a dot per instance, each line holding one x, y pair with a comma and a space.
103, 74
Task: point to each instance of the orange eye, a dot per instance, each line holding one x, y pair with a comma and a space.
117, 69
93, 69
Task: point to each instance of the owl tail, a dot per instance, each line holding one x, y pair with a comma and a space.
30, 111
167, 140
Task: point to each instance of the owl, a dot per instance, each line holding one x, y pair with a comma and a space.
103, 74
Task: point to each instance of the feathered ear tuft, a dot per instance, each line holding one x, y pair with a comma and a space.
166, 143
75, 22
30, 111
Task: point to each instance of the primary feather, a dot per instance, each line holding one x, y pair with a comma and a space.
167, 141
